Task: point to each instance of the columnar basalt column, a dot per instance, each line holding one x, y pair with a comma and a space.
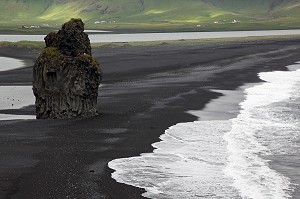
65, 76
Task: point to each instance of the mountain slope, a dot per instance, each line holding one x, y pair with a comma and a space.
280, 12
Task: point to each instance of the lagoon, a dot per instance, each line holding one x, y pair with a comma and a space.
138, 37
15, 96
7, 63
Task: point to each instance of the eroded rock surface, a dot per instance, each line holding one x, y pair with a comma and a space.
65, 76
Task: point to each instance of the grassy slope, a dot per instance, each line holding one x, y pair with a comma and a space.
159, 13
14, 10
178, 11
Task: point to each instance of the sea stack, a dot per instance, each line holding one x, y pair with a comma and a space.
65, 76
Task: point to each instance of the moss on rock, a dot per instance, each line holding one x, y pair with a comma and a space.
65, 76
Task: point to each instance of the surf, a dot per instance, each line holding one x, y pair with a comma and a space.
225, 158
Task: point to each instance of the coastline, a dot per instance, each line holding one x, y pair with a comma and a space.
138, 94
218, 110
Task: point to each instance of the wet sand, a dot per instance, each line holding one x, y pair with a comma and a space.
145, 90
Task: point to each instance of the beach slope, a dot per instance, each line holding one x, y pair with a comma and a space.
145, 90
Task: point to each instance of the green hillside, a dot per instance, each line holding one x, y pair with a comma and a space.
154, 14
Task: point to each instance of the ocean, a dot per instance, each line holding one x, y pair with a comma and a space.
251, 152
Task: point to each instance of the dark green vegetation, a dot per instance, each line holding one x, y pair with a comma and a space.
153, 15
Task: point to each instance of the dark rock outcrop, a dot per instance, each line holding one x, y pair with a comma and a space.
65, 76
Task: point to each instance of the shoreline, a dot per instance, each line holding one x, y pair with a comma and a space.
219, 110
215, 109
225, 107
143, 87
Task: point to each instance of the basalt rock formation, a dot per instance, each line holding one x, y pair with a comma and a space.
65, 76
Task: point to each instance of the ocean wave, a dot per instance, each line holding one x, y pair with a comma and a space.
187, 163
264, 127
225, 158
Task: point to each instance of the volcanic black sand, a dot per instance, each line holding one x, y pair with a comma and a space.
145, 90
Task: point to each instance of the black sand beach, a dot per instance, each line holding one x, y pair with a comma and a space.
145, 90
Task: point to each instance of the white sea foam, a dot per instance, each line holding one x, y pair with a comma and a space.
259, 130
224, 158
15, 97
187, 163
